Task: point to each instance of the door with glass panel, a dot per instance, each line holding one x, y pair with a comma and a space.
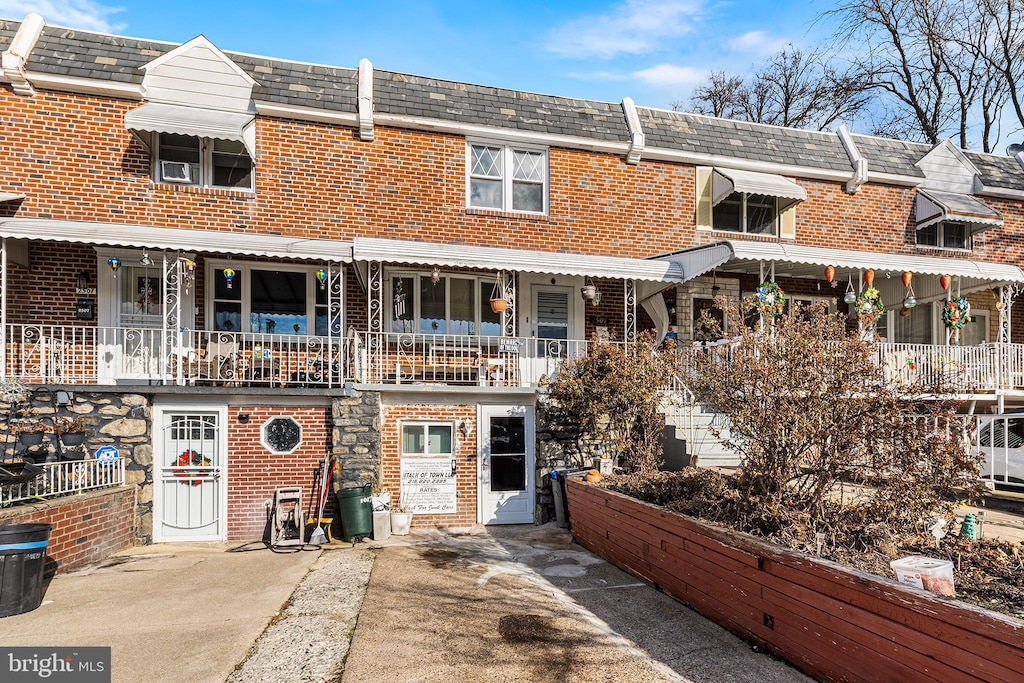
551, 325
507, 464
190, 486
140, 293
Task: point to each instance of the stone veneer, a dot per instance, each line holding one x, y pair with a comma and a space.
356, 437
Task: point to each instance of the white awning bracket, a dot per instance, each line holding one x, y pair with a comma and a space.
157, 117
725, 181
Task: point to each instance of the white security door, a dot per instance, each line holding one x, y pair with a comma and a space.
507, 464
190, 502
551, 323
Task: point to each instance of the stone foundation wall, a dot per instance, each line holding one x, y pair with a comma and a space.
355, 438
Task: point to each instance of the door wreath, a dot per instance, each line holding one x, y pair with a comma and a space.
956, 313
189, 459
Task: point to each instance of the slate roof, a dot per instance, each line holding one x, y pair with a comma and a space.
891, 156
406, 95
742, 140
72, 52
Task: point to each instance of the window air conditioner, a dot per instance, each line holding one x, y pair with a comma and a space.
175, 172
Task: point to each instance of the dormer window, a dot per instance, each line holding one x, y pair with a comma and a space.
945, 235
204, 162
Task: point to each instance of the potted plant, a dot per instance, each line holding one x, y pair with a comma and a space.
498, 301
29, 432
401, 520
71, 431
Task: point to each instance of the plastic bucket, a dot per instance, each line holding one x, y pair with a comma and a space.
356, 513
22, 561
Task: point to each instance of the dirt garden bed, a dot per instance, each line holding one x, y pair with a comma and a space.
832, 621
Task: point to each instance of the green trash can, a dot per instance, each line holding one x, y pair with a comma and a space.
356, 513
22, 561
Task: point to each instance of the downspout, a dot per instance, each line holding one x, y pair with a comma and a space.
15, 57
637, 139
857, 160
365, 101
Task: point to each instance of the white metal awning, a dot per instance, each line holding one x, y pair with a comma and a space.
799, 261
10, 196
934, 206
157, 117
725, 181
497, 258
177, 239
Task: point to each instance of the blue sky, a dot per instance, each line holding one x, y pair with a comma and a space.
654, 51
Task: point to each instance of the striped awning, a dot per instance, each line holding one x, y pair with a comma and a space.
725, 181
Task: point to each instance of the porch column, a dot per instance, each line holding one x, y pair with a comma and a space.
171, 330
1007, 295
335, 318
629, 315
374, 316
508, 319
3, 308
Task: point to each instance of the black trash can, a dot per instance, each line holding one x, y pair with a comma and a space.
558, 492
22, 560
356, 513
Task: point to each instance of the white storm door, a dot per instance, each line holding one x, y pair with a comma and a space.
190, 486
552, 326
507, 464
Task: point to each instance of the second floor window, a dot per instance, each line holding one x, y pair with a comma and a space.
945, 235
206, 162
507, 178
757, 214
266, 300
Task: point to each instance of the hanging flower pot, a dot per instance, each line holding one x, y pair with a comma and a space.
498, 301
499, 305
588, 292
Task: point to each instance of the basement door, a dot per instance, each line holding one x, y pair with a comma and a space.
507, 464
190, 489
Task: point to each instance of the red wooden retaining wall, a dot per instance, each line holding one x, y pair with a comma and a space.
87, 528
832, 622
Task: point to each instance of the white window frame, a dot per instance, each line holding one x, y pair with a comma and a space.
744, 223
205, 179
940, 237
507, 181
482, 282
244, 267
426, 425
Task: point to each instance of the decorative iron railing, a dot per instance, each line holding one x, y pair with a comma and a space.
65, 478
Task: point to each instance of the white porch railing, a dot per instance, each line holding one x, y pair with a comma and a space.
66, 478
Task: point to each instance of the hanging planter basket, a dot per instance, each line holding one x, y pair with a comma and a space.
498, 301
499, 305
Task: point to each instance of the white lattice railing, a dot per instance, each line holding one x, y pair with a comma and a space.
64, 479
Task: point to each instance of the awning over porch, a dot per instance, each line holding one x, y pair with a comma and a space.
799, 261
156, 117
497, 258
934, 206
727, 180
10, 196
176, 239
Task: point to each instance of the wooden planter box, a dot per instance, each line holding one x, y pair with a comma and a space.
832, 622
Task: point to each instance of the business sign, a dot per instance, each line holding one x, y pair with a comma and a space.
428, 486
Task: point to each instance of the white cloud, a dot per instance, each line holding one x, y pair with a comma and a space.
84, 14
632, 27
598, 76
666, 75
757, 42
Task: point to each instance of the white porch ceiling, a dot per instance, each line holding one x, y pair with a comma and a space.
176, 239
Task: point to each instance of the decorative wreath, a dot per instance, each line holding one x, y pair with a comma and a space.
189, 459
869, 306
956, 313
770, 300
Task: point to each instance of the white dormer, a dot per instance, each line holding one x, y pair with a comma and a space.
198, 74
946, 168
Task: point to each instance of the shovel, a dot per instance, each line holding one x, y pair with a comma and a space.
319, 537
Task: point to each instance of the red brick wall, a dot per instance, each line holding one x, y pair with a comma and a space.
87, 528
465, 456
254, 472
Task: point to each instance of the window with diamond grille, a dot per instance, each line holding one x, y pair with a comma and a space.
507, 178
